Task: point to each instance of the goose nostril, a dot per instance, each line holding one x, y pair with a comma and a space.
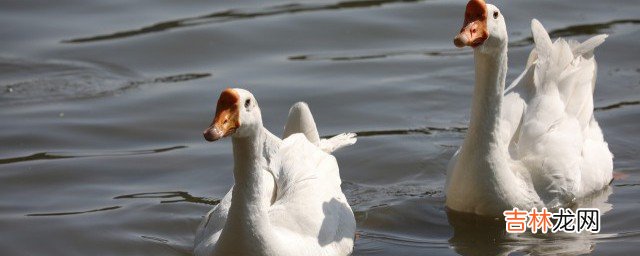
207, 135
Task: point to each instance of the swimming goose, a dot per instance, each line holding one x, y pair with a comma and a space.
537, 143
286, 199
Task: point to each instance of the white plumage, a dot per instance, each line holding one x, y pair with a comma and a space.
290, 203
559, 134
536, 144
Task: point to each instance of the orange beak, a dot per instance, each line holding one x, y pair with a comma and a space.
227, 118
474, 30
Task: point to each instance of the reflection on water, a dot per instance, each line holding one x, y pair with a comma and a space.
475, 235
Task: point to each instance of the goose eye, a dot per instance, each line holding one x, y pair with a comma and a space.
495, 15
247, 103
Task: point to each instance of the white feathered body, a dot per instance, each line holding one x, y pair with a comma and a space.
549, 148
305, 212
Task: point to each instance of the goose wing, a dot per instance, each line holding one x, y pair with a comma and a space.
309, 200
300, 120
557, 123
209, 230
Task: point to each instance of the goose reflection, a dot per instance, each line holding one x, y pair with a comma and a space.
476, 235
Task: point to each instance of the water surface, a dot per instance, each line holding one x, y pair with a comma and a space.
102, 104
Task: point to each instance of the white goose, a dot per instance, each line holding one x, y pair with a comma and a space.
537, 144
286, 199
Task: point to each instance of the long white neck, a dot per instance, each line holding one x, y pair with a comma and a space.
253, 192
491, 71
483, 181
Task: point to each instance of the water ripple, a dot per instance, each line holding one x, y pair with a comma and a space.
580, 30
39, 80
55, 156
173, 196
618, 105
234, 15
380, 55
576, 30
424, 130
73, 213
406, 241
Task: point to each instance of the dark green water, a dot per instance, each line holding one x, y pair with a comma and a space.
102, 105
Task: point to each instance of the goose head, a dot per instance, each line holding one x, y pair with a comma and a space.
237, 115
484, 28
